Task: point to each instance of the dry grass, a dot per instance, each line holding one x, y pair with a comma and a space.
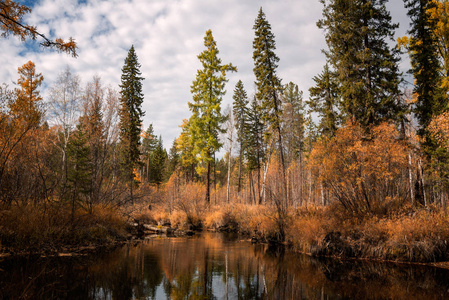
49, 229
418, 236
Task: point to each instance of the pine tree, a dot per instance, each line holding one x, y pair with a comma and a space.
324, 100
357, 34
130, 116
206, 119
240, 110
425, 64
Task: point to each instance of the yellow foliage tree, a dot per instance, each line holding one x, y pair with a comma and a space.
439, 13
26, 104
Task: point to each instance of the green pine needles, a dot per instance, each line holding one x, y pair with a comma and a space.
366, 67
206, 121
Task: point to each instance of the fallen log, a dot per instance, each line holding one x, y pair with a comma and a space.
160, 230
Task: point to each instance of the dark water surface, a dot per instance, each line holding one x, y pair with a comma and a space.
213, 266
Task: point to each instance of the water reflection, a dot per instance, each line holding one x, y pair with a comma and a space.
214, 266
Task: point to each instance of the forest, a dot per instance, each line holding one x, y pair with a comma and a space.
360, 169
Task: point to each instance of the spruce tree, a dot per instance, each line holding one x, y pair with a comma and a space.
268, 83
425, 64
254, 145
174, 159
357, 35
206, 120
158, 158
240, 110
149, 143
79, 168
293, 120
130, 116
324, 100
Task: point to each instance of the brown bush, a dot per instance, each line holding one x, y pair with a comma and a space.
50, 228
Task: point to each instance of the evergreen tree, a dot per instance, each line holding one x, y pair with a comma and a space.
158, 158
357, 34
149, 143
293, 120
184, 145
254, 145
130, 116
240, 110
324, 100
268, 84
206, 119
425, 64
79, 174
174, 160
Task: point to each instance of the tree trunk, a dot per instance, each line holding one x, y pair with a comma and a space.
264, 182
410, 177
208, 183
229, 177
240, 170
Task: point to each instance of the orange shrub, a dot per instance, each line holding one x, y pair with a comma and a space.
362, 169
178, 219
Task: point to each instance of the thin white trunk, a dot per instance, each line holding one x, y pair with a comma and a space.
229, 175
264, 181
410, 178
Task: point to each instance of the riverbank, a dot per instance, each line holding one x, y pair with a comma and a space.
408, 235
51, 230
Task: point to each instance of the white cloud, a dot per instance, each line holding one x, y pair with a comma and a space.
168, 36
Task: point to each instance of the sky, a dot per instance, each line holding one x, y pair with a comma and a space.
167, 36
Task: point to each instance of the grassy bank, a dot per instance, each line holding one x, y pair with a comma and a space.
412, 235
408, 234
52, 229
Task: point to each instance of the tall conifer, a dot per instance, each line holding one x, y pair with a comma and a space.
293, 120
357, 34
268, 83
130, 116
206, 120
324, 100
425, 64
240, 110
254, 145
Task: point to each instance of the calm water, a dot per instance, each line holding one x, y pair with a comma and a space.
213, 266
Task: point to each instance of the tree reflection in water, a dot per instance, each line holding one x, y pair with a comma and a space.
214, 266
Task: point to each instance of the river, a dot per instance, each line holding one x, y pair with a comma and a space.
213, 266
